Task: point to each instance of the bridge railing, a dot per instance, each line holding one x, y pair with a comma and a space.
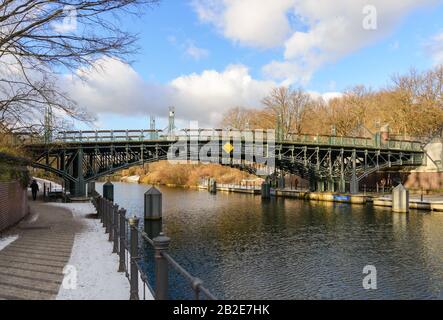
158, 135
125, 235
108, 135
357, 142
237, 186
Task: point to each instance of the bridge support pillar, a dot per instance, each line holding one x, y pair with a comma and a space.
342, 185
331, 185
354, 180
281, 182
78, 188
354, 185
313, 185
320, 186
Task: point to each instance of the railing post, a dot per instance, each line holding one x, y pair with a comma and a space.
107, 205
161, 244
98, 203
111, 221
122, 247
110, 215
104, 212
115, 230
100, 207
133, 222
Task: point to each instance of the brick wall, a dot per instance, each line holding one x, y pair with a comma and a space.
13, 203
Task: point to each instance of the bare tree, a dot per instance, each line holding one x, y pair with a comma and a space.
412, 105
289, 107
300, 105
236, 118
419, 97
40, 39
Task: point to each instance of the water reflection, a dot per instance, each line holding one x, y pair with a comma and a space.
244, 248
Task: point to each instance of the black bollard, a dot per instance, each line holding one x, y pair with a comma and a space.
153, 204
108, 191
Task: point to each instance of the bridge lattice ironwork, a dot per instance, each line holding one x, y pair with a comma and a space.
330, 162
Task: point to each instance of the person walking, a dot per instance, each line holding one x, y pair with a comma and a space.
34, 188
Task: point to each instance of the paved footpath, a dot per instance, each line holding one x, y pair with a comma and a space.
32, 266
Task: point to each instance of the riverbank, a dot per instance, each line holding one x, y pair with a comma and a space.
60, 251
429, 203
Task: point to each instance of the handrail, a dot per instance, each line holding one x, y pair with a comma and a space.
156, 135
195, 282
124, 234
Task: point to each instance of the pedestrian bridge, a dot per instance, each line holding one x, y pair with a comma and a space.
330, 163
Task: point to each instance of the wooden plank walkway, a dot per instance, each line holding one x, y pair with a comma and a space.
32, 266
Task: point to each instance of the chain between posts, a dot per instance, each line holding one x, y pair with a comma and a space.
125, 234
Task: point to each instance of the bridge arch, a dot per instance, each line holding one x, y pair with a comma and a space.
336, 160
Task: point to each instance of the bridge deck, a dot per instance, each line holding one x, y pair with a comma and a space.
83, 156
153, 137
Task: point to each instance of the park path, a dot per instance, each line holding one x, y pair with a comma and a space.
31, 267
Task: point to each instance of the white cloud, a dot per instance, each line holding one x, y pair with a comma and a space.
335, 28
435, 48
189, 48
196, 53
328, 96
113, 87
116, 88
208, 95
69, 23
252, 22
287, 71
313, 33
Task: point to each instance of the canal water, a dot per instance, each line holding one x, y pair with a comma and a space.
246, 248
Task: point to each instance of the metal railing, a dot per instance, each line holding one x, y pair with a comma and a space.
236, 186
207, 134
125, 234
356, 142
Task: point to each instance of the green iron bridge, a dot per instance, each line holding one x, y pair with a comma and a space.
331, 163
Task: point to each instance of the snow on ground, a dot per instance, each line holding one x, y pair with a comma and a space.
92, 257
6, 241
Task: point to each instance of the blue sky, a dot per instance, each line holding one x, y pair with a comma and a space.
179, 39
